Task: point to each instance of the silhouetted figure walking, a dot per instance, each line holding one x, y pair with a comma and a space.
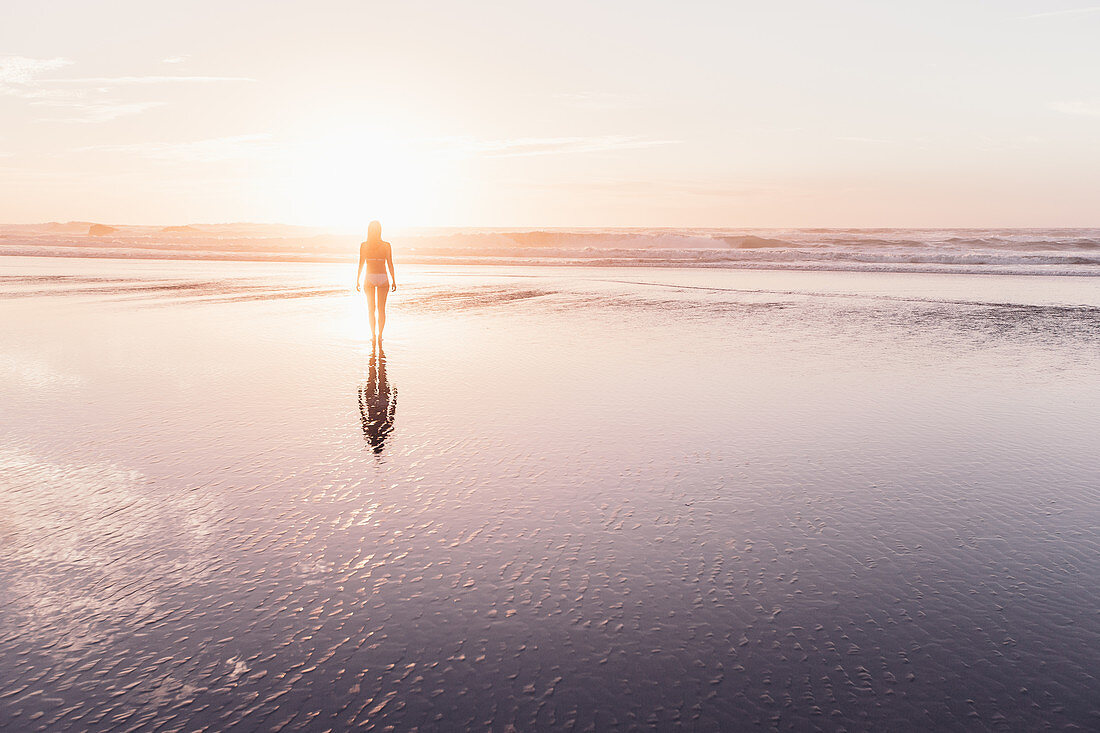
377, 256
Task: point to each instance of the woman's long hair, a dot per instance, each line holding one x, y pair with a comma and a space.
374, 232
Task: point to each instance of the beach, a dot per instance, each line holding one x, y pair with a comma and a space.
560, 497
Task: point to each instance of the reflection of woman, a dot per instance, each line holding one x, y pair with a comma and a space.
377, 402
377, 256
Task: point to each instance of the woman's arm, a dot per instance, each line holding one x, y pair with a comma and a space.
359, 275
389, 264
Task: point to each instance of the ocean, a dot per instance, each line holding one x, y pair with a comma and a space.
1002, 251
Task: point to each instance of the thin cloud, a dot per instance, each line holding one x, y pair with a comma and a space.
99, 111
23, 71
1053, 13
648, 188
1077, 107
174, 59
19, 77
83, 97
530, 146
234, 147
111, 81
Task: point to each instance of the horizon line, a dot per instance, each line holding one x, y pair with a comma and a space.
338, 229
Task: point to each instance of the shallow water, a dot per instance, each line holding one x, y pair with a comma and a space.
575, 499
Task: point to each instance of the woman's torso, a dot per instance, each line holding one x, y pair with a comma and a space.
375, 256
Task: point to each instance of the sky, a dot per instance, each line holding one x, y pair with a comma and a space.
797, 113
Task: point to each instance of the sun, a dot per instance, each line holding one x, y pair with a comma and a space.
344, 179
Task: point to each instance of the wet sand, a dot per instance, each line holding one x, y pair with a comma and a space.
570, 498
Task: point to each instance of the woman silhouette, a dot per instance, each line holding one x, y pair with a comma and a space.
377, 256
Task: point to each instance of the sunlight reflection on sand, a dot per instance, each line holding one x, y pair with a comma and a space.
604, 498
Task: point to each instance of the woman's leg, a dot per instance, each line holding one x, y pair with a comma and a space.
370, 307
383, 293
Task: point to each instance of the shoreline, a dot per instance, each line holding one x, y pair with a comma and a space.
880, 268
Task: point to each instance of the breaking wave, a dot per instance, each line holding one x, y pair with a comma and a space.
1019, 251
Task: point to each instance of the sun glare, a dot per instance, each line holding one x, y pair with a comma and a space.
345, 179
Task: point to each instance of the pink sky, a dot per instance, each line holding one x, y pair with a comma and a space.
558, 114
